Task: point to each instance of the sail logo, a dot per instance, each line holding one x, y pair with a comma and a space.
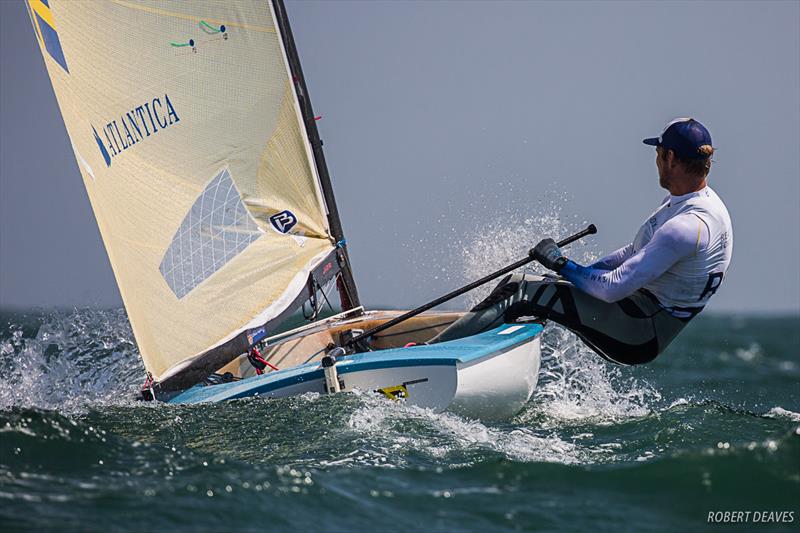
106, 157
283, 221
135, 126
45, 27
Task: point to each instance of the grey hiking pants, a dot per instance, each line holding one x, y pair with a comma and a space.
631, 331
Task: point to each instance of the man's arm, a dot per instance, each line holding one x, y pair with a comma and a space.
614, 259
676, 239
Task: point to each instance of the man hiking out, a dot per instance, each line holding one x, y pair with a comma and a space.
632, 303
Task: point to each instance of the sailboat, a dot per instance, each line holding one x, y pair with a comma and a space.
197, 143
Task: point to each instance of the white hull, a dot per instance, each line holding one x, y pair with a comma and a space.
470, 379
498, 386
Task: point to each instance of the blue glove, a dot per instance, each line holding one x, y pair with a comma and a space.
549, 255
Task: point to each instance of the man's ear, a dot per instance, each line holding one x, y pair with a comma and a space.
670, 158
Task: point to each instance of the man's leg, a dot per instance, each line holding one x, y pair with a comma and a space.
632, 331
491, 312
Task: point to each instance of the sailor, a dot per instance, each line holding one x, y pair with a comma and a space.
630, 305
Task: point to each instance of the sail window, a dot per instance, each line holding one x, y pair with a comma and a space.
216, 229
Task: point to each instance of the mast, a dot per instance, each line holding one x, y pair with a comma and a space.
346, 284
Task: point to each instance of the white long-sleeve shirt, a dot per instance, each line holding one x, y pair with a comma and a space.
680, 255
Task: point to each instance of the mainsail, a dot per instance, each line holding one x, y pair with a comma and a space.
193, 132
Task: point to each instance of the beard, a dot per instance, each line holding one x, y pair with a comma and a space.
663, 181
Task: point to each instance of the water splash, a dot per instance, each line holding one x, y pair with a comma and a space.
780, 412
446, 438
575, 385
501, 242
469, 241
66, 360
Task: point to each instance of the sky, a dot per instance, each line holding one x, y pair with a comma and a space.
448, 124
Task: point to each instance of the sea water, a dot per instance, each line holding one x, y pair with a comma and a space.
711, 427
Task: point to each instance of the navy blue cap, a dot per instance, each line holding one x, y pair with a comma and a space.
684, 136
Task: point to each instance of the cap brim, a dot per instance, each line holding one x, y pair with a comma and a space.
653, 141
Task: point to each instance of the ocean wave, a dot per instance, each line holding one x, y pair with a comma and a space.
450, 439
780, 412
64, 465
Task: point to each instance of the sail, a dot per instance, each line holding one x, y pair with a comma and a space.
188, 131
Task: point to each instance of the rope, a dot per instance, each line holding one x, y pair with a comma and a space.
312, 300
258, 361
148, 394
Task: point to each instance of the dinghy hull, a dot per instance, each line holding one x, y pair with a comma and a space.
486, 376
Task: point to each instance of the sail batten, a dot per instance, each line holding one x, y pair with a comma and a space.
194, 150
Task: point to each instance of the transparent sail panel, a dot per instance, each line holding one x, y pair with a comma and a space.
216, 229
